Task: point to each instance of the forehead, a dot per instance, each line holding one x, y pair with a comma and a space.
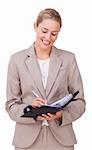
50, 24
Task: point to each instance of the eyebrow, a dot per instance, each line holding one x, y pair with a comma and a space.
48, 29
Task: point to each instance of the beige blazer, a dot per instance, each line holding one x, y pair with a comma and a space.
24, 76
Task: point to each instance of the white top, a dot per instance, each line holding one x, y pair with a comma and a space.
44, 66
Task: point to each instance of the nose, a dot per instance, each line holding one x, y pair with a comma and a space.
48, 37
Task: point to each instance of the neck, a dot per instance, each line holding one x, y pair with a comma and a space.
42, 53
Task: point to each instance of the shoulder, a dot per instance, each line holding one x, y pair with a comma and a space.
22, 55
65, 54
19, 55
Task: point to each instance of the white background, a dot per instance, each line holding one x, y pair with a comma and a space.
17, 33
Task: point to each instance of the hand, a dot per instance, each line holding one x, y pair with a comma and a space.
50, 116
38, 102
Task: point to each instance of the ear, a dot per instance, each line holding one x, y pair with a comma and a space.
35, 26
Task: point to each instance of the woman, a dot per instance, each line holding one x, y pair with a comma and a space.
39, 75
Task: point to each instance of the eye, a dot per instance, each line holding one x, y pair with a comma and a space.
43, 31
54, 34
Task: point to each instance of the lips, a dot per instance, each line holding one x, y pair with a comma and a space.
46, 42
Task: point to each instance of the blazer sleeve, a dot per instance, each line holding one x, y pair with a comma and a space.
14, 105
75, 109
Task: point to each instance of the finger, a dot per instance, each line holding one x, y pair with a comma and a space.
42, 100
59, 113
41, 118
51, 115
38, 102
46, 116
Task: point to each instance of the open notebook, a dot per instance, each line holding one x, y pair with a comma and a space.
29, 111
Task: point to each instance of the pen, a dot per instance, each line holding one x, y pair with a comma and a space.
35, 94
45, 122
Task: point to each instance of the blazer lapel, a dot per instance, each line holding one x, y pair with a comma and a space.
55, 64
34, 70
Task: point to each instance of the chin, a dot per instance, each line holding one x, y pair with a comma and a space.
45, 46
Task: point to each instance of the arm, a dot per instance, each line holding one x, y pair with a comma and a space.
15, 104
75, 109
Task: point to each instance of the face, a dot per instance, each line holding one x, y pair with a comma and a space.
46, 33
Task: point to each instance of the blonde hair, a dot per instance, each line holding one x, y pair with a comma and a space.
49, 13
